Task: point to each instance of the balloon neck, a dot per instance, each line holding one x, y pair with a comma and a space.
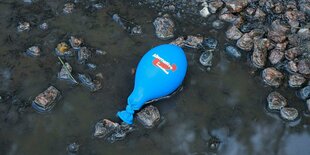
127, 114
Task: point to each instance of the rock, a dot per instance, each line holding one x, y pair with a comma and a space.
164, 27
46, 100
206, 58
277, 37
259, 14
247, 27
292, 53
305, 6
193, 41
218, 24
272, 77
83, 55
117, 19
43, 26
276, 101
281, 46
23, 26
233, 52
33, 51
62, 49
120, 133
275, 56
289, 114
304, 33
91, 66
236, 5
278, 8
257, 33
304, 93
277, 26
293, 39
294, 17
228, 17
136, 30
204, 12
215, 5
291, 66
259, 55
245, 42
68, 8
65, 73
105, 128
75, 42
296, 80
210, 42
100, 52
92, 85
179, 41
148, 116
304, 66
73, 147
233, 33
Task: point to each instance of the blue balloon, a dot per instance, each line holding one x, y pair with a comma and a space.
159, 73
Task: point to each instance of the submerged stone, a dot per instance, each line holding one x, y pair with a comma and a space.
296, 80
210, 42
92, 85
68, 8
179, 41
83, 55
206, 58
73, 147
276, 101
23, 26
218, 24
275, 56
193, 41
233, 33
33, 51
304, 93
164, 27
75, 42
272, 77
304, 66
104, 128
45, 101
148, 116
65, 72
245, 42
232, 52
43, 26
289, 114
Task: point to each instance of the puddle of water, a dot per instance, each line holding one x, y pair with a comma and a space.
227, 102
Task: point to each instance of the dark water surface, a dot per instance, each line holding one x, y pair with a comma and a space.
226, 103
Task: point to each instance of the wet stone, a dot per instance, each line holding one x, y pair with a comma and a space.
218, 24
92, 85
215, 5
136, 30
204, 12
73, 147
117, 19
259, 14
247, 27
304, 93
236, 5
33, 51
276, 56
233, 52
245, 42
210, 42
43, 26
164, 27
291, 66
228, 17
75, 42
277, 37
193, 41
104, 128
289, 114
276, 101
83, 55
65, 72
100, 52
304, 66
120, 133
272, 77
206, 58
233, 33
23, 26
91, 66
296, 80
292, 53
68, 8
259, 55
179, 41
148, 116
304, 33
45, 101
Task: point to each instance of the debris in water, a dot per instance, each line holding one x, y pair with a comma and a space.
65, 72
206, 58
148, 116
45, 101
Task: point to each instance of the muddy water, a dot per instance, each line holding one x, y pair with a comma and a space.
226, 103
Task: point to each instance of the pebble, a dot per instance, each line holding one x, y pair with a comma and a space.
236, 5
148, 116
210, 42
104, 128
304, 66
304, 93
64, 73
218, 24
23, 26
164, 27
136, 30
233, 33
232, 52
193, 41
204, 12
91, 66
275, 56
68, 8
296, 80
92, 85
272, 77
43, 26
245, 42
276, 101
46, 100
259, 55
178, 42
206, 58
215, 5
33, 51
292, 53
73, 147
289, 114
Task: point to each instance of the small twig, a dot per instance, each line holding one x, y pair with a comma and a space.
67, 70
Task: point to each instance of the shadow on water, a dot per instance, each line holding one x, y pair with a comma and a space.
226, 103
